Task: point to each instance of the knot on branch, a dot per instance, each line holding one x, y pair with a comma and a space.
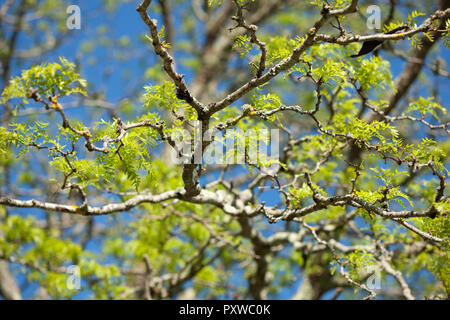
433, 212
325, 10
183, 95
33, 94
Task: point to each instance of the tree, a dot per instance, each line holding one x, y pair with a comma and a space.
171, 192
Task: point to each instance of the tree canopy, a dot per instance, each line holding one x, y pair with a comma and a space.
224, 149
